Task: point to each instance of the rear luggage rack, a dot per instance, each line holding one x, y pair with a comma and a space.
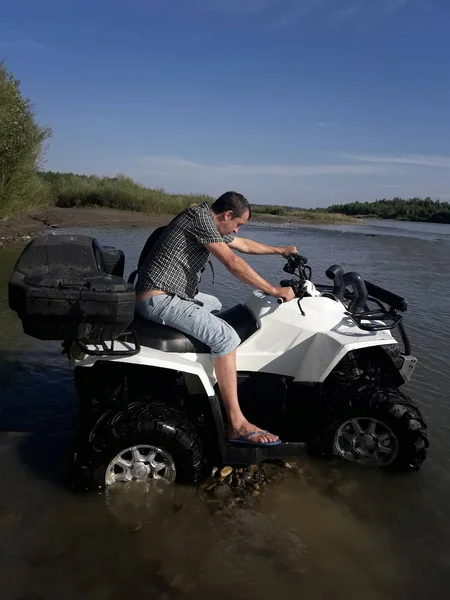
111, 351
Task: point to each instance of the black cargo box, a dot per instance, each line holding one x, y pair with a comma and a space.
67, 287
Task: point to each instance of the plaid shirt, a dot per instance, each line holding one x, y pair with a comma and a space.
174, 263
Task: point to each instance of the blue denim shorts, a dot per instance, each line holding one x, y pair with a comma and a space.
193, 319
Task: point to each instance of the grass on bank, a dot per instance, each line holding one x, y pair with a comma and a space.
70, 190
310, 214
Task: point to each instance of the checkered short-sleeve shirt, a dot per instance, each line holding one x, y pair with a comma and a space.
174, 263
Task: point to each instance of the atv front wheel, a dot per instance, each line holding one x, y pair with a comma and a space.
378, 427
144, 443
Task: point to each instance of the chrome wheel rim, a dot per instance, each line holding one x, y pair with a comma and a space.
366, 441
141, 463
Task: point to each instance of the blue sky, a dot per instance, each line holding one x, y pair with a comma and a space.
299, 102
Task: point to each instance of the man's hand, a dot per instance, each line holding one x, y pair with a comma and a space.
285, 293
289, 250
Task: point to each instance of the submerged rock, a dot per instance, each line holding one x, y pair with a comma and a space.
228, 487
226, 471
222, 491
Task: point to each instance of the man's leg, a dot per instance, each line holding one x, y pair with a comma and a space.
227, 380
223, 340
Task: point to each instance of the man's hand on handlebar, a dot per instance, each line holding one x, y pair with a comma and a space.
285, 293
289, 250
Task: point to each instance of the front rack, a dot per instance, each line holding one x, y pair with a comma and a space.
389, 315
373, 316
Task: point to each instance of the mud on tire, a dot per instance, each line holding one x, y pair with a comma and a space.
389, 406
144, 424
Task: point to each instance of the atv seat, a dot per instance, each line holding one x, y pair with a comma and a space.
168, 339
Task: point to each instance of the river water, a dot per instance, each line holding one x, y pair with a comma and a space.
338, 531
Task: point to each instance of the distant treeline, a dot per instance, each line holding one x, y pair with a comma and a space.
413, 209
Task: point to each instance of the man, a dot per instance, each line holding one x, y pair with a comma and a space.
167, 290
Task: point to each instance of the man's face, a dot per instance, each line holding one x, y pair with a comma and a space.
230, 224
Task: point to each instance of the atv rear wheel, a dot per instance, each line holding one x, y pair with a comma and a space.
378, 427
140, 463
147, 442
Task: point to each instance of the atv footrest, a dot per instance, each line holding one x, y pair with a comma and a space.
246, 455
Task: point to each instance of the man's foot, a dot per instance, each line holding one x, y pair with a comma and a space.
257, 438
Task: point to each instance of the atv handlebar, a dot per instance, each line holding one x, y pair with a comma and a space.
295, 261
295, 284
356, 299
296, 265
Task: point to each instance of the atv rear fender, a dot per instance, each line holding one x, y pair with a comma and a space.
149, 357
155, 372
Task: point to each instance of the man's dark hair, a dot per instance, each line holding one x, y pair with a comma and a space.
234, 202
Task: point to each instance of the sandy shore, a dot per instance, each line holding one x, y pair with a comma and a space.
25, 227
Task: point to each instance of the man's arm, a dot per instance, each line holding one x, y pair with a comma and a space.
247, 246
244, 272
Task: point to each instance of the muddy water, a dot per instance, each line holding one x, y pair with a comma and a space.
328, 531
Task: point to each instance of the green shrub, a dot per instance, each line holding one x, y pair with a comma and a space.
21, 150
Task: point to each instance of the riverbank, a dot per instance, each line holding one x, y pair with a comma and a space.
25, 227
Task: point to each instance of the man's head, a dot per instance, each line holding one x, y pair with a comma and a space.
231, 210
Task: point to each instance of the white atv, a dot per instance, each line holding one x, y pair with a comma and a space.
322, 371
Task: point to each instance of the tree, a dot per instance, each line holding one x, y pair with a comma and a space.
412, 209
21, 149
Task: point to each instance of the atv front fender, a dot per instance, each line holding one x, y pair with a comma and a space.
323, 351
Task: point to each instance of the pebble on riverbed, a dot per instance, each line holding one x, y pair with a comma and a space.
228, 487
